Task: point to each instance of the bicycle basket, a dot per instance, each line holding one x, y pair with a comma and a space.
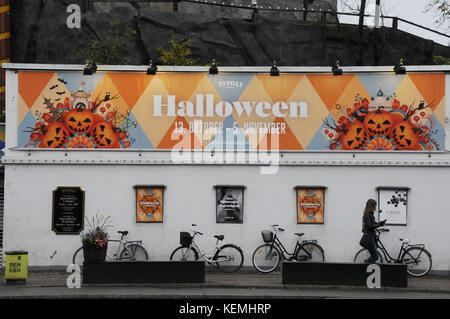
267, 236
185, 239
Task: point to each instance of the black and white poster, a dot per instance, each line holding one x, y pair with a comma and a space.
68, 210
393, 205
229, 204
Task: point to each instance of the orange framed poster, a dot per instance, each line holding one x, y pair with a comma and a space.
149, 203
310, 204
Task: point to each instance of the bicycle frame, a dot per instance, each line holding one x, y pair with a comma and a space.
279, 245
298, 246
122, 243
401, 253
208, 258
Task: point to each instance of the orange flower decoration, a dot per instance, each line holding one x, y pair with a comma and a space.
380, 144
80, 141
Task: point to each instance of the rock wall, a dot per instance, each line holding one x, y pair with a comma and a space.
40, 35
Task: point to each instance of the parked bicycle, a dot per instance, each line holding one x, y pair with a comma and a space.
129, 250
268, 256
416, 257
228, 258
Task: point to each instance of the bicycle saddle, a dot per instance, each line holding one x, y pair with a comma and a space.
299, 234
219, 237
123, 232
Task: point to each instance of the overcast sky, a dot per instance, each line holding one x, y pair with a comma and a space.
414, 11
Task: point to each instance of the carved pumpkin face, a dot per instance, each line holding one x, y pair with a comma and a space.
55, 137
104, 135
79, 121
404, 136
378, 123
355, 138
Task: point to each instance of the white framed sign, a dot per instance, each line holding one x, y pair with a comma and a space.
393, 204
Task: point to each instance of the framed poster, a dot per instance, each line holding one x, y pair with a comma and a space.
392, 205
229, 204
310, 204
68, 210
149, 203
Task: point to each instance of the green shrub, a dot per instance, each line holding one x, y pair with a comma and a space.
439, 60
178, 53
111, 50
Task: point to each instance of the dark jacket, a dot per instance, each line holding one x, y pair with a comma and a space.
369, 224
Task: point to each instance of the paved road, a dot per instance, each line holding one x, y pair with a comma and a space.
202, 292
52, 284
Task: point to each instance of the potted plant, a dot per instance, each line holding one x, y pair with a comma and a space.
95, 239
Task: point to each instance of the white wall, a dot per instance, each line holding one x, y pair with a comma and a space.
108, 178
190, 198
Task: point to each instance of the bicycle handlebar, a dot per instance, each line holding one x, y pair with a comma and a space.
277, 226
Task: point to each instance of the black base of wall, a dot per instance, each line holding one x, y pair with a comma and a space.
143, 272
348, 274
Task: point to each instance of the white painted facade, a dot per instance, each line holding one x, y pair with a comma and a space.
108, 177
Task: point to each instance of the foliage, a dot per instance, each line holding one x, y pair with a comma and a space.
178, 53
96, 233
439, 60
111, 50
442, 11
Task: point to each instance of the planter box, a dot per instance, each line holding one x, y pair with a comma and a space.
144, 272
93, 254
348, 274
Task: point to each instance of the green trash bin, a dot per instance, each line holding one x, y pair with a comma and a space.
16, 266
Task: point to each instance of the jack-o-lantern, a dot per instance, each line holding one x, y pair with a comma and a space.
355, 138
55, 137
104, 135
79, 121
404, 136
378, 123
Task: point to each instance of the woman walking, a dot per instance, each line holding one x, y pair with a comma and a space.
369, 240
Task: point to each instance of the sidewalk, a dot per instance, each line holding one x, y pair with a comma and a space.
241, 279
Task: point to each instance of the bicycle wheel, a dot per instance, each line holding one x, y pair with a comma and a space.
418, 261
134, 252
363, 255
184, 254
229, 258
78, 258
310, 252
266, 258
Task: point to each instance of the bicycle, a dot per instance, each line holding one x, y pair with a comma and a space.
228, 258
416, 257
132, 250
268, 256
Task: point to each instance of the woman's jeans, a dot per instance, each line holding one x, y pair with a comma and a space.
369, 242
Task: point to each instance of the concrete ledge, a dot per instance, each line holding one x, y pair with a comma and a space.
345, 274
143, 272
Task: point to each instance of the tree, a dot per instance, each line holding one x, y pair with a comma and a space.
360, 7
178, 53
442, 10
112, 49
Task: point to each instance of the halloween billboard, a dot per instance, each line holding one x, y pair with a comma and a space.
293, 112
